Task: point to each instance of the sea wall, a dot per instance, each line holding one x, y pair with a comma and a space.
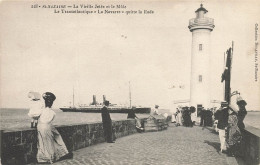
20, 146
251, 145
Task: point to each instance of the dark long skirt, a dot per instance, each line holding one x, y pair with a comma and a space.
187, 119
208, 119
234, 136
108, 132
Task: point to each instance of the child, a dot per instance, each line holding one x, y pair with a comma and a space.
35, 108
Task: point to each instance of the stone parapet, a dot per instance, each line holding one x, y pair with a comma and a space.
251, 145
20, 146
155, 123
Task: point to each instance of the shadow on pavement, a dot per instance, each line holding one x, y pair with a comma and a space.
213, 144
210, 129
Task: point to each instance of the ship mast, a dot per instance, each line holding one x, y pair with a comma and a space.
224, 66
73, 98
130, 94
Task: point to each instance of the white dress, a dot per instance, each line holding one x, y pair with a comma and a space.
174, 118
50, 144
179, 118
35, 108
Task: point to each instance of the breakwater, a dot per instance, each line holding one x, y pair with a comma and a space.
20, 146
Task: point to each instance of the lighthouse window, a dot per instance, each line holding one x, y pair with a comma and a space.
200, 47
200, 78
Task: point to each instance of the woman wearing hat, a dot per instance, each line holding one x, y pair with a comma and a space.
241, 112
235, 124
186, 114
50, 144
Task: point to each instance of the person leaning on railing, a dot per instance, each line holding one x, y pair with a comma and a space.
131, 115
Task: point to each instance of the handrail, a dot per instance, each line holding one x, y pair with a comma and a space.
201, 21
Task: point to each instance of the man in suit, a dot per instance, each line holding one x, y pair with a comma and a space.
222, 116
107, 122
202, 117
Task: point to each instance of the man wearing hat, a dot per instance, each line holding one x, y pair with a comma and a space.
222, 116
107, 122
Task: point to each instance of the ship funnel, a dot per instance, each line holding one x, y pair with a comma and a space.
104, 98
94, 100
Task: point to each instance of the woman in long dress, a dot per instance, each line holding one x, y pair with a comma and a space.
179, 117
50, 144
234, 136
241, 114
186, 115
235, 125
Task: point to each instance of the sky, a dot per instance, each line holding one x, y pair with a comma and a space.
100, 54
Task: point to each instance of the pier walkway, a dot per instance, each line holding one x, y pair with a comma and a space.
174, 146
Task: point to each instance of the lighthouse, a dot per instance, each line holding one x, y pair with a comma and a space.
201, 28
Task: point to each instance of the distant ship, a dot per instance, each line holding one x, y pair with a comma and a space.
112, 109
94, 107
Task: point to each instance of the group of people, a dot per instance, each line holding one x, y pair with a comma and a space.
51, 146
229, 125
183, 116
230, 122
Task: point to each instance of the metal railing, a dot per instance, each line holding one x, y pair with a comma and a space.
201, 21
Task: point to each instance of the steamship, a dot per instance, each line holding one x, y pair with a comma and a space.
94, 107
112, 109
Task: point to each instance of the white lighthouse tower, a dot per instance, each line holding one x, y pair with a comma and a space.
201, 28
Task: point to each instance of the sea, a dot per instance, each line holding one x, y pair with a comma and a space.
17, 118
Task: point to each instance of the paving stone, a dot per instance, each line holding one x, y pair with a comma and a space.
174, 146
